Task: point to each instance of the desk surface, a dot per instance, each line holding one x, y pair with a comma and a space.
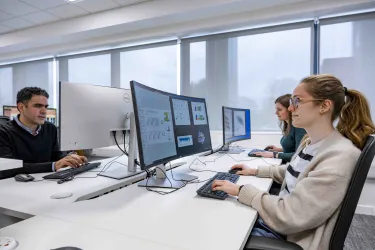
33, 198
181, 220
43, 233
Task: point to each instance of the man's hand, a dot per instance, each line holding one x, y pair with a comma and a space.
72, 160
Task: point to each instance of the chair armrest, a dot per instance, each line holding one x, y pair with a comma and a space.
264, 243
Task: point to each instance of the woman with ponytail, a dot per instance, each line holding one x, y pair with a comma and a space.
314, 183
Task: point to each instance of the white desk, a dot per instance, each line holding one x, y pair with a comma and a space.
25, 199
181, 220
43, 233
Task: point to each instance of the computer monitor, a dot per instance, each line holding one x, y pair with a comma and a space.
236, 127
169, 127
89, 116
12, 111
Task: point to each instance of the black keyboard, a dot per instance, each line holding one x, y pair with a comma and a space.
206, 189
252, 152
71, 172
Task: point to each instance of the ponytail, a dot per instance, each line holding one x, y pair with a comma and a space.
355, 118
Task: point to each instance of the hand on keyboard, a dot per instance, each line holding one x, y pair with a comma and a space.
264, 154
207, 191
244, 170
72, 160
226, 186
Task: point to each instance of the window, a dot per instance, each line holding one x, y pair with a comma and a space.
348, 52
6, 87
94, 70
30, 74
155, 67
248, 71
197, 62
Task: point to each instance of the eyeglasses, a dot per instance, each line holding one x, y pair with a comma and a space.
296, 101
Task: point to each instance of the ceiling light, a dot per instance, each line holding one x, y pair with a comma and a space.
73, 1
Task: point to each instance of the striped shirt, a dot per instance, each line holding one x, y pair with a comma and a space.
298, 165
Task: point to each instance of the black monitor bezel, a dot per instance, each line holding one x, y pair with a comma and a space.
234, 109
139, 140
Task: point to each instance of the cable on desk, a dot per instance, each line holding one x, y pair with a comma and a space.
105, 168
161, 192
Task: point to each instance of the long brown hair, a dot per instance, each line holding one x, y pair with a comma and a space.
350, 106
284, 101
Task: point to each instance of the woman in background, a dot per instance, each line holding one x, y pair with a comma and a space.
292, 136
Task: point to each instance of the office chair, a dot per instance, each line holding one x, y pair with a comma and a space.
4, 119
346, 214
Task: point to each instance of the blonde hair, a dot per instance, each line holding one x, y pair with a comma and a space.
350, 106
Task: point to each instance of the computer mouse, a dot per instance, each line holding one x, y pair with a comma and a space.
24, 177
234, 170
267, 148
7, 243
67, 248
61, 195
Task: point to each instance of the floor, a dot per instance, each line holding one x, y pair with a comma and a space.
361, 235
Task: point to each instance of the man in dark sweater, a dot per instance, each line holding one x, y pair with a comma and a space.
31, 139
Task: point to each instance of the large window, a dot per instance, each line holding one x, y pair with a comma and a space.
31, 74
155, 67
347, 50
6, 87
247, 71
94, 70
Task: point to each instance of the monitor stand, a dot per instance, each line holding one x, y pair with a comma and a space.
164, 179
226, 150
132, 170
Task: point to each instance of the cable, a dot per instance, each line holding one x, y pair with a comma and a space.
105, 168
162, 192
124, 150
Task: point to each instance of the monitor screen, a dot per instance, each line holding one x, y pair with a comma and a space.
169, 126
236, 124
12, 111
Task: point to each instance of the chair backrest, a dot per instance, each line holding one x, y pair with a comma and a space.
4, 119
353, 194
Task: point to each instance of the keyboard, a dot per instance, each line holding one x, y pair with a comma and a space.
71, 172
252, 152
206, 189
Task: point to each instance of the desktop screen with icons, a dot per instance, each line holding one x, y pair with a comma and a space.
169, 126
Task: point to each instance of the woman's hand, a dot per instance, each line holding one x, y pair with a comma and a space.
273, 148
245, 170
265, 154
226, 186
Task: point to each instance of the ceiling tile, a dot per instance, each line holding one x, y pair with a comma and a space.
128, 2
97, 5
45, 4
40, 17
16, 7
4, 29
67, 11
4, 16
17, 23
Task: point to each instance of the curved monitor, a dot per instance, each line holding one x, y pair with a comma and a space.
236, 125
169, 126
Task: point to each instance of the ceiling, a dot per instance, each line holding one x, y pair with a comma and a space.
21, 14
149, 21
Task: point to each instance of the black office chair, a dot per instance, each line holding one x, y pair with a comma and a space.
346, 214
4, 119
